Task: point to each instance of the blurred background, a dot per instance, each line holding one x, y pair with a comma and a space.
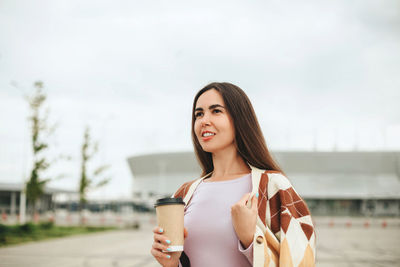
95, 108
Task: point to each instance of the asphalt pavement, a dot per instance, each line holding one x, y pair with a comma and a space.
337, 245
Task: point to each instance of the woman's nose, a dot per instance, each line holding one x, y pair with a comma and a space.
205, 120
204, 123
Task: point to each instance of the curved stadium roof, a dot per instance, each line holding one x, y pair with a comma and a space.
343, 175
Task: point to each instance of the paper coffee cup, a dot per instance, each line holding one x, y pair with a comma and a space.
170, 213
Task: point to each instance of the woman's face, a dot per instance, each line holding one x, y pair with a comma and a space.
213, 125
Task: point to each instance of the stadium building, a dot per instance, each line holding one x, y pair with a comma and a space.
359, 183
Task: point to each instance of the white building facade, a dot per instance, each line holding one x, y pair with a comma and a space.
332, 183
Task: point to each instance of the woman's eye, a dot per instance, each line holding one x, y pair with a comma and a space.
201, 113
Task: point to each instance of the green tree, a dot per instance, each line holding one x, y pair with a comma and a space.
39, 130
88, 181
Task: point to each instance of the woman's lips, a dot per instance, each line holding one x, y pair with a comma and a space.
206, 138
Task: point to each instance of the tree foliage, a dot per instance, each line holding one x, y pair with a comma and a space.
39, 131
94, 179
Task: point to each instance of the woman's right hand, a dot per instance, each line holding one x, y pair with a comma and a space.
166, 259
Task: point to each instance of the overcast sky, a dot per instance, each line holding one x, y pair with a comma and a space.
321, 75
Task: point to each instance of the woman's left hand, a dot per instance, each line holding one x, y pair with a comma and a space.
244, 220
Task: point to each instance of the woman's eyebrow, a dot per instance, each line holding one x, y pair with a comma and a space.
210, 107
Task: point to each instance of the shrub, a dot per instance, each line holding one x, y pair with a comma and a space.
27, 228
46, 225
4, 229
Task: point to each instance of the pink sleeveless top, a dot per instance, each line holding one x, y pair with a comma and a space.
211, 239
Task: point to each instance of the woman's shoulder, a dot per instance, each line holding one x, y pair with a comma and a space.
276, 180
183, 189
281, 193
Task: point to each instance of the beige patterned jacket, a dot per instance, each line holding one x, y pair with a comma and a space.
284, 233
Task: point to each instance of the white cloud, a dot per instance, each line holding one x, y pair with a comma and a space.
315, 72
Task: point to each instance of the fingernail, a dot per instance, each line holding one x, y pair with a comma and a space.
257, 194
160, 230
168, 256
169, 242
169, 249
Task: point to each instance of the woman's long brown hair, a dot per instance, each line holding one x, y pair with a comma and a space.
249, 138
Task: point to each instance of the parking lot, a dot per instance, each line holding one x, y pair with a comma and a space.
339, 243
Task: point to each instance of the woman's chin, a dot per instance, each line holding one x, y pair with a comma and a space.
215, 148
211, 149
208, 149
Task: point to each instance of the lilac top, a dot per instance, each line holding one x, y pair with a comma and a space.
212, 240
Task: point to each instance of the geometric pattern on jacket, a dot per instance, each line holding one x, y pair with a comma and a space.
282, 210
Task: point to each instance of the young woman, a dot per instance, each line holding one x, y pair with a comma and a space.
225, 223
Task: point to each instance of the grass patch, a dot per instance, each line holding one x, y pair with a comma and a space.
15, 234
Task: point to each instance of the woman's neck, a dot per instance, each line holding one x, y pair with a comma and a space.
228, 164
